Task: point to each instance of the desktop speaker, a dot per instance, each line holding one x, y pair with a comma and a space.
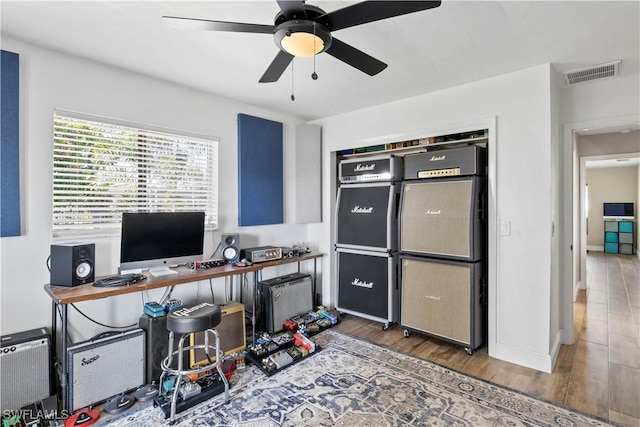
25, 368
444, 299
72, 264
285, 297
231, 330
230, 248
105, 366
444, 218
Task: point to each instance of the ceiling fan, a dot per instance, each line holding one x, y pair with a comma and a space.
300, 29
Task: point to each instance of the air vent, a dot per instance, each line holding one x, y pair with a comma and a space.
594, 72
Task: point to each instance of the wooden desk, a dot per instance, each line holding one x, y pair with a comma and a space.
61, 296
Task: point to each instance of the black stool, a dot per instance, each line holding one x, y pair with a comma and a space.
186, 320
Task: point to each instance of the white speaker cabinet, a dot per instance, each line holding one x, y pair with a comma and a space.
444, 299
24, 368
105, 367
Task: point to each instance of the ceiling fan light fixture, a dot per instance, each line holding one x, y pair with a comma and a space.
302, 38
302, 44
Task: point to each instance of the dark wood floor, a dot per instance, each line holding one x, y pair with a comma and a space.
599, 374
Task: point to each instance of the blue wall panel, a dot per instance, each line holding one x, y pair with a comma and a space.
9, 145
260, 171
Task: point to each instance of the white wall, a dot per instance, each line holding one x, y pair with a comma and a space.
520, 183
50, 80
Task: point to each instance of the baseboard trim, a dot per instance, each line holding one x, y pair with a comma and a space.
595, 248
539, 362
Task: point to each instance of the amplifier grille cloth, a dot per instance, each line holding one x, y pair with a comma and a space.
105, 368
436, 218
283, 301
436, 299
25, 374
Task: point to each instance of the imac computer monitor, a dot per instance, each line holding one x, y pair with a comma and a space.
619, 210
159, 240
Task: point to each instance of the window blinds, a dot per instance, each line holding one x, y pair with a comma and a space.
102, 169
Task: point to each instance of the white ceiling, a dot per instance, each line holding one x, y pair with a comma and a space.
459, 42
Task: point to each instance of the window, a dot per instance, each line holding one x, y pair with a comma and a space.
102, 169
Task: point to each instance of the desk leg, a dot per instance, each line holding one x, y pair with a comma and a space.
54, 346
64, 390
253, 312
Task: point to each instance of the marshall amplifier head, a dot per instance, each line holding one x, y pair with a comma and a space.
469, 160
372, 169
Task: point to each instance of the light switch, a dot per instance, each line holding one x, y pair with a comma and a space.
505, 228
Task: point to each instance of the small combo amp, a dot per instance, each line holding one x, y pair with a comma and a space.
463, 161
262, 254
232, 333
284, 297
106, 366
72, 264
387, 168
25, 368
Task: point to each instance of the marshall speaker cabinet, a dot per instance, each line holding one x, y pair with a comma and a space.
285, 297
445, 299
367, 285
105, 367
24, 368
367, 216
444, 218
371, 169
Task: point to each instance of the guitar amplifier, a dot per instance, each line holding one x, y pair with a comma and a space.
284, 297
105, 367
24, 368
232, 331
463, 161
387, 168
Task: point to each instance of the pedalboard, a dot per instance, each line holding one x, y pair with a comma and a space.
211, 263
262, 254
191, 394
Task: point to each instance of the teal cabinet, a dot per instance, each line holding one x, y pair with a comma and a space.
619, 237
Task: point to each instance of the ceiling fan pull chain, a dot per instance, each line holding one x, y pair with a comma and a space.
293, 98
314, 76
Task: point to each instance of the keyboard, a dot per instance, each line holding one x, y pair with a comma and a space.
119, 280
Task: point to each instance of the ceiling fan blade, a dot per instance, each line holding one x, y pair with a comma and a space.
277, 67
370, 11
354, 57
292, 9
205, 24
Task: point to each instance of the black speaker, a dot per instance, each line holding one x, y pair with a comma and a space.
367, 285
25, 363
230, 248
72, 264
157, 344
366, 216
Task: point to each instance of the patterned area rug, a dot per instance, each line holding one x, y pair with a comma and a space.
351, 382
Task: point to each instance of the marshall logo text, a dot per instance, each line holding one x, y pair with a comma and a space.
437, 158
432, 212
360, 283
358, 209
361, 168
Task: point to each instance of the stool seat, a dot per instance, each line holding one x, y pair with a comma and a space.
194, 318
